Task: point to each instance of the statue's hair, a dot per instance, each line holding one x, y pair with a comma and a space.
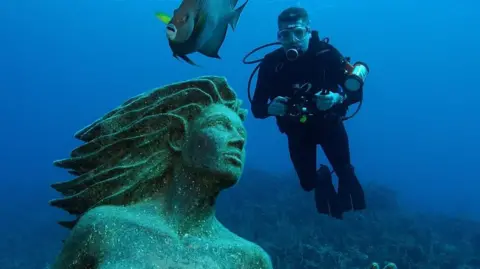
127, 149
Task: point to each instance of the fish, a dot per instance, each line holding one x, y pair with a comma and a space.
200, 26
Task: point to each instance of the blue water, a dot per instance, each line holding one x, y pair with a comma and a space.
65, 63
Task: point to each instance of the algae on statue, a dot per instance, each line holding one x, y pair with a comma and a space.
147, 180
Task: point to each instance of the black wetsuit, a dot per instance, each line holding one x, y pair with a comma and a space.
323, 67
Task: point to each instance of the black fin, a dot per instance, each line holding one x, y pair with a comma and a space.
350, 192
185, 58
236, 15
233, 3
326, 199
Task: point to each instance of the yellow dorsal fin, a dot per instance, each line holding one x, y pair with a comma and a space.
165, 18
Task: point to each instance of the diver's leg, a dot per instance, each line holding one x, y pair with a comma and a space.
335, 145
303, 153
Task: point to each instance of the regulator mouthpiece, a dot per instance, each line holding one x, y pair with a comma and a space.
356, 78
292, 54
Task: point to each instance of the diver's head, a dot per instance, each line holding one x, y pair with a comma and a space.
294, 31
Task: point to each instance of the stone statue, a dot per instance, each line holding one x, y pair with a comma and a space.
147, 179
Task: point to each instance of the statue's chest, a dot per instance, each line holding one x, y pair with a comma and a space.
159, 250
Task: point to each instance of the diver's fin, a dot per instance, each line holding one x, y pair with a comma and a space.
325, 195
350, 192
235, 15
213, 45
163, 17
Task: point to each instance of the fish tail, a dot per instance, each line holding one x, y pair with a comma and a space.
236, 15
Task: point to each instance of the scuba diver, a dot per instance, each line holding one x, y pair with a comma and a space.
308, 86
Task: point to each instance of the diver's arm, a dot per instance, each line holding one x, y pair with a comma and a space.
262, 94
341, 76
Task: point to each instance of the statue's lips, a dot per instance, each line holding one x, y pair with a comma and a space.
236, 156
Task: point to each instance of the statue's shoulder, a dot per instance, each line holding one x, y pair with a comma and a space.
259, 258
102, 223
85, 240
102, 215
254, 255
105, 218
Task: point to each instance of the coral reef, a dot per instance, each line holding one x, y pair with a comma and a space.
389, 265
281, 218
274, 212
147, 181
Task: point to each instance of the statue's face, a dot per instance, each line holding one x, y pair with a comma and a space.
216, 144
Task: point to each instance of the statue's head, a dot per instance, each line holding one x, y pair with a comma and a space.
194, 127
212, 143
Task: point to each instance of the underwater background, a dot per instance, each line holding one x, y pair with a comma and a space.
414, 143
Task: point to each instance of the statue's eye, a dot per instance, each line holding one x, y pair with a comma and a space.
242, 132
225, 124
221, 124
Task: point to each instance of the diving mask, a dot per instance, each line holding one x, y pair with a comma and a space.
294, 39
292, 34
